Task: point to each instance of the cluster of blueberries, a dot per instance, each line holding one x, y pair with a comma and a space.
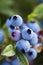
26, 37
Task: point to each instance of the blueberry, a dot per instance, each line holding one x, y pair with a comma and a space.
34, 26
23, 45
27, 33
31, 54
34, 39
17, 20
5, 63
1, 36
15, 62
14, 34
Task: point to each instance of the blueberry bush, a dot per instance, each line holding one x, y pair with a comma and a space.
30, 11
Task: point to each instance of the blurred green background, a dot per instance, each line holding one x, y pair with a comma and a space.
11, 7
21, 7
24, 8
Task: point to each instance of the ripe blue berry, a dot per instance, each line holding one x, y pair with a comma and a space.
31, 54
34, 39
23, 45
15, 34
17, 20
34, 26
27, 33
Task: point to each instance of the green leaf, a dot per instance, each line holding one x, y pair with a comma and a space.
8, 51
38, 11
21, 57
